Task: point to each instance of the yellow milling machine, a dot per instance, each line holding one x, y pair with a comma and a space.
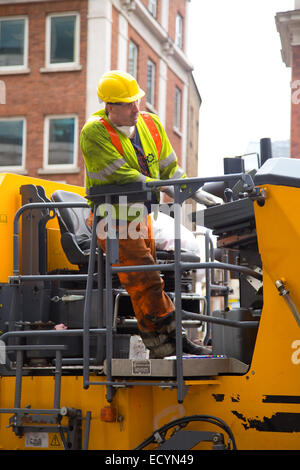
68, 379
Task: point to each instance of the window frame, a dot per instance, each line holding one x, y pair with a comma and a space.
63, 65
24, 66
179, 30
135, 59
177, 112
153, 82
152, 4
16, 168
56, 166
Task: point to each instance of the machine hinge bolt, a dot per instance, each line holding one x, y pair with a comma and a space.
281, 287
159, 439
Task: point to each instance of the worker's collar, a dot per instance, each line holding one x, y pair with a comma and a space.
126, 130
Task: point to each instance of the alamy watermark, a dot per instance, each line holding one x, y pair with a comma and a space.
126, 220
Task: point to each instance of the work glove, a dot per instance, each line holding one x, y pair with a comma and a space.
200, 196
203, 197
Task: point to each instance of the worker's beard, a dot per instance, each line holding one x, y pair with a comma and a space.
126, 130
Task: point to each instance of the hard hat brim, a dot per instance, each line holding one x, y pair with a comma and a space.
129, 99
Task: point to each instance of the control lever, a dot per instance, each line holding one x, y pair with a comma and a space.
228, 195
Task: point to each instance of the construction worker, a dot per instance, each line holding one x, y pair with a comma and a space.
122, 145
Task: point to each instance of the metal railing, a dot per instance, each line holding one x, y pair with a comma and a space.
108, 195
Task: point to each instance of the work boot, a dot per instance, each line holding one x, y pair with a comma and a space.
162, 341
189, 347
159, 344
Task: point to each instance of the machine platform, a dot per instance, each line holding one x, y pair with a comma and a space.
192, 367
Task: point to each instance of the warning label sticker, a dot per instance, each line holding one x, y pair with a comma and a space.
43, 440
36, 439
55, 440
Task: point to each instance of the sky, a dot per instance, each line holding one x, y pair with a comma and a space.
235, 50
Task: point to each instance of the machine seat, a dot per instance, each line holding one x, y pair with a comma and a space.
75, 233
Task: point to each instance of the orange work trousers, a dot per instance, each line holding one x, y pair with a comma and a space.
145, 288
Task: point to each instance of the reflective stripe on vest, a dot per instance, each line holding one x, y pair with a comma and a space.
116, 141
153, 131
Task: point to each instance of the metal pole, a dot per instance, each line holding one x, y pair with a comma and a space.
226, 282
100, 300
178, 303
87, 305
42, 333
108, 303
87, 430
57, 383
187, 266
220, 321
201, 181
207, 284
18, 387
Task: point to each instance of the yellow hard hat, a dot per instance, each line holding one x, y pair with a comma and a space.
117, 86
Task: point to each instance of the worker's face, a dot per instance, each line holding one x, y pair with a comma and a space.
124, 114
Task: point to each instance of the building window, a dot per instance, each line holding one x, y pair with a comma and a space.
62, 40
191, 126
152, 7
179, 31
13, 43
60, 148
177, 109
2, 92
133, 59
150, 82
12, 144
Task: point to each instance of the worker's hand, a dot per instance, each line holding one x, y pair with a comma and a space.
169, 190
206, 198
202, 197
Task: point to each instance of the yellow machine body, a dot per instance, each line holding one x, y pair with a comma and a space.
10, 202
261, 407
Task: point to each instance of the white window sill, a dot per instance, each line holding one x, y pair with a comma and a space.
57, 171
12, 71
61, 68
177, 131
151, 108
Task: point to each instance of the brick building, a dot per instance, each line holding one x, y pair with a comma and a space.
288, 26
52, 54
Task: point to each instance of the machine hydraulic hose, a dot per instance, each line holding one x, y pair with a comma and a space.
285, 293
159, 436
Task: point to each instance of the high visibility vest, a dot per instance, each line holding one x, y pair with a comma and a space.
111, 159
116, 141
119, 165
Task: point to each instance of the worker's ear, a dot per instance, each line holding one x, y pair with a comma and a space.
107, 108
